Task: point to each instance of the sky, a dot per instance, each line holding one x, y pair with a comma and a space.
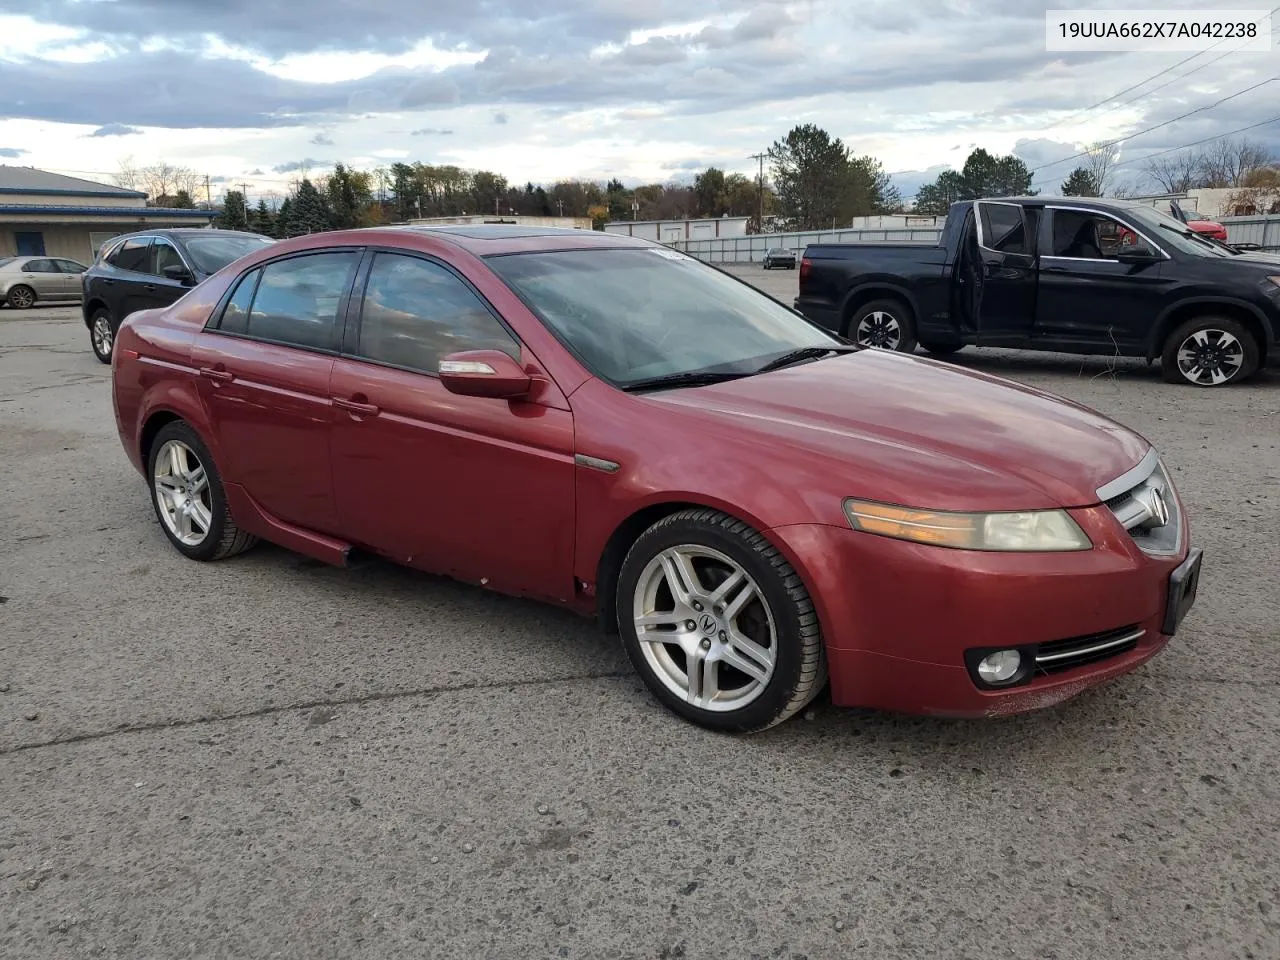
257, 91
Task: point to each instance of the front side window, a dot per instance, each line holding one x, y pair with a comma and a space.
1003, 227
164, 254
298, 299
132, 255
1085, 235
632, 314
415, 312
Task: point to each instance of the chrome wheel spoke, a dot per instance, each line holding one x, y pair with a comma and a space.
197, 482
740, 601
168, 482
673, 618
682, 579
704, 681
201, 515
177, 461
743, 645
753, 670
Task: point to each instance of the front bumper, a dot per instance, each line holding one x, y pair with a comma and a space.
897, 617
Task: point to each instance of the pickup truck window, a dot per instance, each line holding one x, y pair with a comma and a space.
1087, 235
1003, 227
1169, 231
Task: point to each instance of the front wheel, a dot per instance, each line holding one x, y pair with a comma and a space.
886, 324
21, 297
718, 624
102, 334
1209, 352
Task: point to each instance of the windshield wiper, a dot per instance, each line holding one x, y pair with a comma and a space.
804, 353
674, 380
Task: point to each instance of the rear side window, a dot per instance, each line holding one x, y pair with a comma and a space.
1002, 227
416, 312
131, 255
40, 266
235, 315
298, 299
70, 266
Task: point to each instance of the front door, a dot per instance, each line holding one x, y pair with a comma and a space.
1088, 297
1006, 274
265, 367
477, 488
161, 290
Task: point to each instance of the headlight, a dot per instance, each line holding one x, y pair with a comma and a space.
1033, 530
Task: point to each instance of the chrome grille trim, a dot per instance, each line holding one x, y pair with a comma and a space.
1143, 501
1130, 478
1119, 641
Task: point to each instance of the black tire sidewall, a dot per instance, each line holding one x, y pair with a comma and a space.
207, 549
1172, 373
102, 312
896, 309
788, 657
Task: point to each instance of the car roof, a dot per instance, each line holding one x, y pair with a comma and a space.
185, 233
490, 239
1052, 201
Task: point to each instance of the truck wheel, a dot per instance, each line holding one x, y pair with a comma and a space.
1209, 352
886, 324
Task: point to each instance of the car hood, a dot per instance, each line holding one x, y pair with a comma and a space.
920, 432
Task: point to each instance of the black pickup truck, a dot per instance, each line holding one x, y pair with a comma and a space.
1075, 275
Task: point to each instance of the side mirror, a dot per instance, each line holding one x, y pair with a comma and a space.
176, 271
484, 373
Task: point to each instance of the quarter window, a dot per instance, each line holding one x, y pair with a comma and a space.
1003, 227
235, 315
298, 299
132, 255
415, 312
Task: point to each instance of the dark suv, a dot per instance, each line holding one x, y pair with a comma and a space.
154, 268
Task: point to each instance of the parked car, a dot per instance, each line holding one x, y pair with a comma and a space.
26, 281
1206, 228
779, 257
1049, 273
610, 425
154, 268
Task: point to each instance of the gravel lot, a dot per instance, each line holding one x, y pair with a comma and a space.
269, 757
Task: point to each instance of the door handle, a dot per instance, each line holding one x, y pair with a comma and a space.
148, 286
215, 373
1053, 269
356, 406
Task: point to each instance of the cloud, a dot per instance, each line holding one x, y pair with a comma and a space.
322, 139
256, 172
114, 130
12, 151
294, 166
430, 132
501, 119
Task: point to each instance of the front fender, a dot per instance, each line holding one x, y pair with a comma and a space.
1165, 321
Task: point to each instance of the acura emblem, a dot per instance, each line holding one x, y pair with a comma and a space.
707, 623
1152, 500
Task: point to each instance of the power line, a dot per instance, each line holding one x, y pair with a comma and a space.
1112, 143
1196, 143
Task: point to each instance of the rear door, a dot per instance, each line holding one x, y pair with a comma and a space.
1088, 298
1006, 274
479, 488
71, 273
265, 363
42, 276
126, 282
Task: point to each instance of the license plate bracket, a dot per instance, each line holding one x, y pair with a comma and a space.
1184, 584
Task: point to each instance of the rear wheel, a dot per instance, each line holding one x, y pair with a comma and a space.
886, 324
21, 297
186, 491
102, 334
1209, 352
718, 623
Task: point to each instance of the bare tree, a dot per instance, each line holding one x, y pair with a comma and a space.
1176, 172
128, 176
1227, 162
1100, 159
184, 178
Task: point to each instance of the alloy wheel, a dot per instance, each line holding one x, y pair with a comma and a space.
102, 336
879, 329
705, 628
182, 493
1210, 357
21, 297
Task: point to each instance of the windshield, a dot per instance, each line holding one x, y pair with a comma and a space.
1168, 231
635, 314
210, 254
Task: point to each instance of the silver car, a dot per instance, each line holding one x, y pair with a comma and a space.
25, 281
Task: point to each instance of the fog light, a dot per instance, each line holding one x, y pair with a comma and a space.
1000, 666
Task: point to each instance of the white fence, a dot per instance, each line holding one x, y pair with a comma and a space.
751, 249
1262, 230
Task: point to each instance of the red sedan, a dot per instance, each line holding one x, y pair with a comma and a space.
610, 425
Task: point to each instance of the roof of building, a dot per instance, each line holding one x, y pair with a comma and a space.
31, 180
109, 213
612, 223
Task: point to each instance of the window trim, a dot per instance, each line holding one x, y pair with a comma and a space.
1022, 212
182, 255
1163, 254
350, 339
214, 323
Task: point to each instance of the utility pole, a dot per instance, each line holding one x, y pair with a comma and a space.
561, 203
208, 192
760, 192
244, 189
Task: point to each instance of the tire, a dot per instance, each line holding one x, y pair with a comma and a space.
102, 334
1209, 351
766, 264
774, 631
220, 537
21, 297
887, 324
942, 348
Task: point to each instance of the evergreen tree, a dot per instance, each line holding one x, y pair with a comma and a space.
233, 215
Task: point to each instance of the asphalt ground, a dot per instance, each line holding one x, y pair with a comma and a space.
267, 757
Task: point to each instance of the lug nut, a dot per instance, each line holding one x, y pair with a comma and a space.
697, 605
723, 635
706, 644
690, 625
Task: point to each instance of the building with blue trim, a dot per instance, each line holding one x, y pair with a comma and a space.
48, 214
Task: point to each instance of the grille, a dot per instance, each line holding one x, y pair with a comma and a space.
1144, 503
1059, 655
